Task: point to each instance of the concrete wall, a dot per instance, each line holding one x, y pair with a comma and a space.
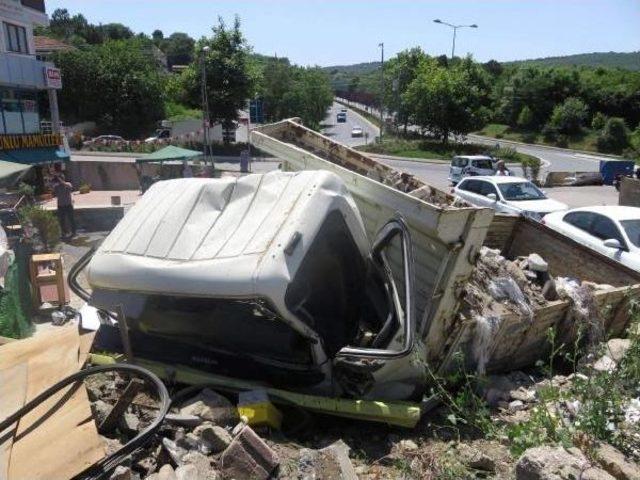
629, 192
104, 175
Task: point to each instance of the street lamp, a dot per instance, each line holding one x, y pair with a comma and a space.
381, 45
205, 106
455, 30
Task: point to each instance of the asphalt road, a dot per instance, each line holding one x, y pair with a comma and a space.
436, 173
555, 159
341, 132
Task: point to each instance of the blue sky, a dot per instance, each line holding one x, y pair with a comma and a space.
331, 32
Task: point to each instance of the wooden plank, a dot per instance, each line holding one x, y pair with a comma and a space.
13, 390
58, 439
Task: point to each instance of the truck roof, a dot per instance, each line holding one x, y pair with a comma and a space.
222, 237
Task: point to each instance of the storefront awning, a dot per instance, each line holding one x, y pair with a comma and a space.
169, 153
11, 173
34, 156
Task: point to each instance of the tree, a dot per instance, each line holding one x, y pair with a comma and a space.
157, 36
445, 100
598, 121
570, 116
525, 118
614, 137
116, 31
494, 68
179, 49
400, 71
114, 84
229, 80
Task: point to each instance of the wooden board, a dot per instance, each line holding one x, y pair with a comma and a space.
58, 439
13, 390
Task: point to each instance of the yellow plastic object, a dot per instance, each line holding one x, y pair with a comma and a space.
263, 414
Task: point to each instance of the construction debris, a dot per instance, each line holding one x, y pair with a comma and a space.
248, 456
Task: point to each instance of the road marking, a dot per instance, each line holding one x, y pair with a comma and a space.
591, 157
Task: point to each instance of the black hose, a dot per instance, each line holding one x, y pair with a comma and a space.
72, 279
103, 468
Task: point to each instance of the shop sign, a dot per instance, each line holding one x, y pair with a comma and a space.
52, 78
15, 142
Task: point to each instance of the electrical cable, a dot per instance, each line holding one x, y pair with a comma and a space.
103, 468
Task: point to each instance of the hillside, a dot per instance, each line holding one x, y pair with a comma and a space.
629, 61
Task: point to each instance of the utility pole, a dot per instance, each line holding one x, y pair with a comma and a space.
381, 45
455, 30
205, 107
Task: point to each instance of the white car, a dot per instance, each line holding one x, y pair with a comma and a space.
514, 195
357, 132
613, 231
470, 165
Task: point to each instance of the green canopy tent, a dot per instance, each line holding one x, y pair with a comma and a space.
11, 173
168, 154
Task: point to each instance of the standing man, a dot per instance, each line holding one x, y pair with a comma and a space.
62, 190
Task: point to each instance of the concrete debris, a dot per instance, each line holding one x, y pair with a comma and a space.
175, 452
617, 348
203, 465
184, 420
100, 410
248, 456
408, 445
615, 463
214, 437
211, 406
187, 472
604, 364
129, 423
166, 472
475, 458
121, 473
632, 411
557, 463
331, 463
536, 263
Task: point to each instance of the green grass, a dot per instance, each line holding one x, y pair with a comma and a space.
425, 149
176, 112
582, 141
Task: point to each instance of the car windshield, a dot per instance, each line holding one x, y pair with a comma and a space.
520, 191
483, 164
632, 229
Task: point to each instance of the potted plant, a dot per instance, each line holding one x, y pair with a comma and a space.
40, 225
84, 187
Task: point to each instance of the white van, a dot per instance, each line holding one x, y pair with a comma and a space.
470, 165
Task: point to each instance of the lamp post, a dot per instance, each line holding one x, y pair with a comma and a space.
455, 30
205, 106
381, 45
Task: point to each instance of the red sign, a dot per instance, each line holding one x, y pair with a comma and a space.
52, 78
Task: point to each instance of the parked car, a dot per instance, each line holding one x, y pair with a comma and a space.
103, 140
613, 231
357, 131
470, 165
341, 117
514, 195
161, 133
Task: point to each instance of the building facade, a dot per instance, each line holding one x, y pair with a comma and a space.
23, 78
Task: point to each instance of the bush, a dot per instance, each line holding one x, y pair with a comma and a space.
526, 118
529, 137
44, 222
569, 117
549, 133
562, 141
598, 121
614, 137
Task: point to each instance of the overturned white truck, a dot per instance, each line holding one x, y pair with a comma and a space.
342, 277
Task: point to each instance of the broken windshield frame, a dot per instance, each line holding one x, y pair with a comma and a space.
394, 227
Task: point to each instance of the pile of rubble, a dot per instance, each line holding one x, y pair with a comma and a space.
202, 438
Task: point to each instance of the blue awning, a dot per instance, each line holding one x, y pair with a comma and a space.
34, 156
